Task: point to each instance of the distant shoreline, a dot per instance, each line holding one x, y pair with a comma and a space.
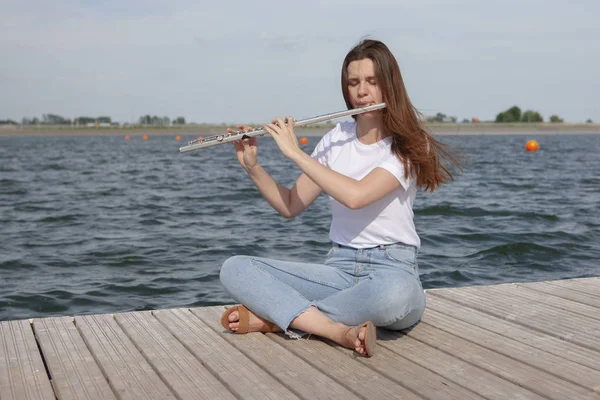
200, 130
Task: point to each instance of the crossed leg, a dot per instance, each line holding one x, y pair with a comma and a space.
315, 322
284, 292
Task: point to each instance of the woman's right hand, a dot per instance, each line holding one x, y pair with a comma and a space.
246, 149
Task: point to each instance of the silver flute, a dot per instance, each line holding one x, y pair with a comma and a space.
238, 135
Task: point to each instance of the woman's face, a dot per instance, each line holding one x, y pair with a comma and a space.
363, 88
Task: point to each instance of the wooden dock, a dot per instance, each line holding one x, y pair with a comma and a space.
511, 341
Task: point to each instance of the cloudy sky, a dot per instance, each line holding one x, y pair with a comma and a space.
248, 61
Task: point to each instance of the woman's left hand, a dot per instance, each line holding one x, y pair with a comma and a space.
284, 136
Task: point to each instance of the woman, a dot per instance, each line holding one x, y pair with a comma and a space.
371, 169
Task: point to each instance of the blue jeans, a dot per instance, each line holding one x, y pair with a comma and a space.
379, 284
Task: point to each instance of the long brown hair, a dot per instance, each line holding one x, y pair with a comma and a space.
416, 148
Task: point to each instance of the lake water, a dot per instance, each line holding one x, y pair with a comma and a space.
98, 224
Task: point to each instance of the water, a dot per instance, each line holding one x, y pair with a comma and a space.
98, 224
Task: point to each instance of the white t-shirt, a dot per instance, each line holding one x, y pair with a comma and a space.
388, 220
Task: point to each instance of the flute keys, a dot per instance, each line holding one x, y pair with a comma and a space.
222, 138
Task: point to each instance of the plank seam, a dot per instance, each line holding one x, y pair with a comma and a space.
516, 322
209, 368
564, 298
95, 357
524, 297
70, 356
253, 360
360, 360
128, 351
52, 382
39, 348
54, 347
526, 328
157, 336
19, 360
553, 283
10, 378
307, 360
481, 368
154, 368
502, 354
548, 310
391, 350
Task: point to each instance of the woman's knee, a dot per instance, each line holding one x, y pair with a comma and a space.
232, 269
408, 320
400, 309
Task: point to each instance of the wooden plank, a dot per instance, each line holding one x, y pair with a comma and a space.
386, 375
294, 372
526, 340
526, 376
589, 286
533, 359
574, 328
74, 372
565, 293
513, 290
469, 376
238, 372
178, 368
531, 337
22, 372
128, 372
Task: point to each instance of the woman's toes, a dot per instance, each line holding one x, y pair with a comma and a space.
356, 338
360, 349
234, 316
359, 343
361, 334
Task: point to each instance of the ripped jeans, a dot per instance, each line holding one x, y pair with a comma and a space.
379, 284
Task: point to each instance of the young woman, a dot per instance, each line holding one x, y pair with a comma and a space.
371, 169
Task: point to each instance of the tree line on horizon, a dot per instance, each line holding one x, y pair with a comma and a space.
54, 119
512, 115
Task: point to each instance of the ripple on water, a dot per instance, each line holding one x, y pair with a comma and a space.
106, 231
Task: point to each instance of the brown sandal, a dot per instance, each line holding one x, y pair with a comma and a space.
370, 338
244, 321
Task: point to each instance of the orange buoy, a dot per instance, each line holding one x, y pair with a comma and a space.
145, 137
127, 137
303, 140
178, 138
532, 145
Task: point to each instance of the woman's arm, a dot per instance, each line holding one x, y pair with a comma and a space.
352, 193
287, 202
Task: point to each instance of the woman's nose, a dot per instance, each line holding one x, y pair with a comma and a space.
362, 89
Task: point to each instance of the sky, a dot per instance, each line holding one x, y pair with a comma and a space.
249, 61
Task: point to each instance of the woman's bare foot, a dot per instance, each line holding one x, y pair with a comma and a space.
255, 323
362, 338
355, 335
